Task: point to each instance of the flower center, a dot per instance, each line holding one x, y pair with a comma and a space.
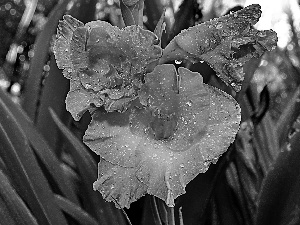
163, 127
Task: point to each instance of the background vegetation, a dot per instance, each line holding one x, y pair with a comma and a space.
46, 173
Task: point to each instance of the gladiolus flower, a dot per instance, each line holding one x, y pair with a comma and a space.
158, 127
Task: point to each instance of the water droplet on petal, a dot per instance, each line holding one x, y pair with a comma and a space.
189, 103
87, 86
219, 26
288, 147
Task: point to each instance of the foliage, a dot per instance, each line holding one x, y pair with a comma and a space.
47, 172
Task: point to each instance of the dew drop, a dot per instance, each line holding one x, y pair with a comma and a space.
178, 62
219, 26
288, 147
262, 35
189, 103
88, 86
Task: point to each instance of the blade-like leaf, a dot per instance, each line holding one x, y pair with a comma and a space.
105, 212
16, 207
279, 198
5, 216
264, 103
25, 172
288, 116
75, 211
185, 16
132, 12
193, 206
160, 26
154, 212
41, 50
41, 147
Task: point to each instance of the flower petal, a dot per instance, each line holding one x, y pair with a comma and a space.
225, 43
159, 91
109, 136
79, 100
61, 48
176, 169
109, 62
119, 184
209, 120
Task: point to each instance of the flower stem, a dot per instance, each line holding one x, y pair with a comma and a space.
171, 217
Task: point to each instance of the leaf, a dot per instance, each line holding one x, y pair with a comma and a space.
132, 12
160, 26
15, 205
185, 16
208, 121
225, 44
263, 106
154, 12
75, 211
279, 198
25, 172
53, 95
287, 117
154, 211
101, 210
40, 146
41, 51
6, 218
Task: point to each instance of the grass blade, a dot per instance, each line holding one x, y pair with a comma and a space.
25, 172
5, 216
287, 117
151, 213
75, 211
280, 197
41, 147
105, 212
16, 207
41, 51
